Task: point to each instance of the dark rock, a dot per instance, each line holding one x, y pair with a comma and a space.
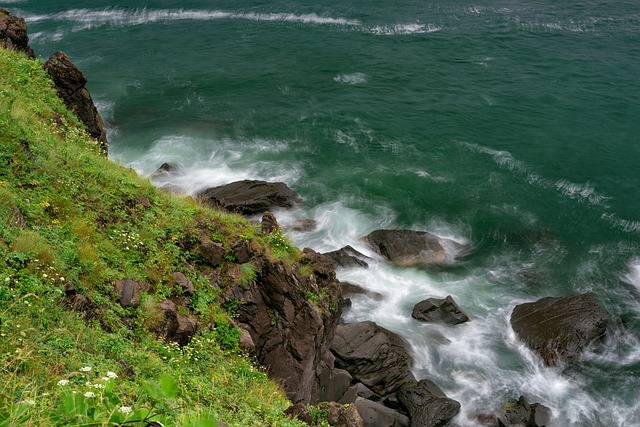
211, 252
348, 257
358, 390
428, 406
322, 265
185, 284
13, 33
171, 325
305, 224
519, 413
70, 85
376, 415
391, 401
250, 197
242, 251
269, 223
559, 328
372, 355
408, 248
331, 383
129, 290
291, 334
164, 170
439, 310
144, 202
299, 411
339, 416
353, 289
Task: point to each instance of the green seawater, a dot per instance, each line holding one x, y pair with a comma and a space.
513, 126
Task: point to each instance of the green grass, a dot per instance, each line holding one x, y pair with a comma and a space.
70, 217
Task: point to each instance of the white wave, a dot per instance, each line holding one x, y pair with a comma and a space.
427, 175
88, 18
580, 191
403, 29
353, 79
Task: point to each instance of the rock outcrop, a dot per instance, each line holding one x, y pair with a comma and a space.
409, 248
249, 197
439, 310
427, 404
348, 257
70, 84
375, 356
167, 323
558, 328
13, 33
519, 413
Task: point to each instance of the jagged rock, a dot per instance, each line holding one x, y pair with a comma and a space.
348, 257
128, 292
321, 264
269, 223
185, 284
408, 248
519, 413
339, 416
171, 325
428, 406
242, 251
372, 355
249, 197
291, 333
376, 415
358, 390
13, 33
439, 310
70, 85
299, 411
353, 289
558, 328
211, 252
163, 171
330, 383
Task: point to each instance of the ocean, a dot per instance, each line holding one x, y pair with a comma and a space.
510, 125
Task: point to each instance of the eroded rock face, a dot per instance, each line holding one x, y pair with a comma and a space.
373, 355
439, 310
250, 197
409, 248
558, 328
427, 404
13, 33
291, 334
70, 85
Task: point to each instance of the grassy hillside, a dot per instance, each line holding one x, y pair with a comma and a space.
73, 222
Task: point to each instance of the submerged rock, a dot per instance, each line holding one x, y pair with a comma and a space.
70, 84
409, 248
250, 197
558, 328
439, 310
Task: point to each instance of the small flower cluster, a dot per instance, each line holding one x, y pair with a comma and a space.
130, 240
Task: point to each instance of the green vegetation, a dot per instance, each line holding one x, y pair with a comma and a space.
73, 222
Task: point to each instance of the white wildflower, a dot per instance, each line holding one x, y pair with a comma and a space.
28, 402
7, 280
85, 369
89, 394
63, 382
125, 410
112, 374
99, 386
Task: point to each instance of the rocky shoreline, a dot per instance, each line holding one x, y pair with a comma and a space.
300, 339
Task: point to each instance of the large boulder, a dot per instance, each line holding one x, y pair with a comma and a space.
409, 248
374, 414
428, 406
70, 84
13, 33
347, 257
519, 413
558, 328
439, 310
373, 355
249, 197
292, 332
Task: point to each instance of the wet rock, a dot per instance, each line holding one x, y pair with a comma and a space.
519, 413
250, 197
348, 257
185, 284
13, 33
376, 415
559, 328
128, 292
439, 310
304, 225
165, 170
427, 404
373, 355
408, 248
353, 289
70, 85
